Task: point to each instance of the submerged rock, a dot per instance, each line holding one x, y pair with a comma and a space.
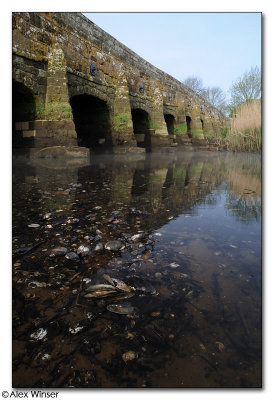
115, 245
99, 247
98, 291
137, 237
33, 225
122, 308
48, 215
128, 356
117, 283
140, 285
40, 334
58, 251
76, 329
72, 256
84, 250
174, 265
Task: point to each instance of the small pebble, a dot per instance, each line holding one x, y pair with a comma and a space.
72, 256
58, 251
128, 356
155, 314
115, 245
174, 265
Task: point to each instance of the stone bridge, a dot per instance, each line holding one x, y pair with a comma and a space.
75, 85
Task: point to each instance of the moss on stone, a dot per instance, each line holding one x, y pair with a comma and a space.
180, 129
121, 121
197, 134
155, 125
53, 111
179, 173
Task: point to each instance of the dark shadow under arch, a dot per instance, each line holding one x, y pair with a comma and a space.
92, 121
141, 128
140, 120
23, 109
188, 126
170, 121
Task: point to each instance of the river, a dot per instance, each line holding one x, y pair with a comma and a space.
186, 229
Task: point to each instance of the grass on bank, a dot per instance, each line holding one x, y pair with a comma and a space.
245, 132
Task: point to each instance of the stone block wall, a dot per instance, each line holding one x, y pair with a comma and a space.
52, 57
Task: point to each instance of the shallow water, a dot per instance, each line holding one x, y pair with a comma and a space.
195, 321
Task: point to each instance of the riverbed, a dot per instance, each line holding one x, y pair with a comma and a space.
185, 237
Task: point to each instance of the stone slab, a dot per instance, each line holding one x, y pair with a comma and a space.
29, 133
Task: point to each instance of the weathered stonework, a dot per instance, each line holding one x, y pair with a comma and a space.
127, 98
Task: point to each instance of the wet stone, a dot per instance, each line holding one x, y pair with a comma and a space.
97, 238
40, 334
128, 356
138, 237
84, 250
99, 247
58, 251
174, 265
122, 308
33, 225
114, 245
48, 215
141, 285
72, 256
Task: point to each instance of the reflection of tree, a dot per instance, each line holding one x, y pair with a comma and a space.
245, 209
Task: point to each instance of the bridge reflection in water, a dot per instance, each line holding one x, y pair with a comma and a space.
200, 249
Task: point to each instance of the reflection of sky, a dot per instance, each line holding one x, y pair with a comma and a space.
216, 221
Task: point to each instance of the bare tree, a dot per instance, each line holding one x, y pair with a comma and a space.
194, 83
216, 96
246, 88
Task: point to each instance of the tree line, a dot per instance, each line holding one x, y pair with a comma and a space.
243, 90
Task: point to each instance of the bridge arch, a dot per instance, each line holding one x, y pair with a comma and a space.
141, 127
188, 126
23, 110
170, 123
140, 120
23, 102
91, 117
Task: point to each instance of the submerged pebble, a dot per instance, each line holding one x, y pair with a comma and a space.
117, 283
137, 237
100, 290
99, 247
174, 265
33, 225
48, 215
58, 251
128, 356
140, 285
72, 256
84, 250
114, 245
75, 329
39, 334
122, 308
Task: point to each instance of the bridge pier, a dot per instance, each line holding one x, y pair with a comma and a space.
122, 125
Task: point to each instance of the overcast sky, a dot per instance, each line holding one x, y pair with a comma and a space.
216, 47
